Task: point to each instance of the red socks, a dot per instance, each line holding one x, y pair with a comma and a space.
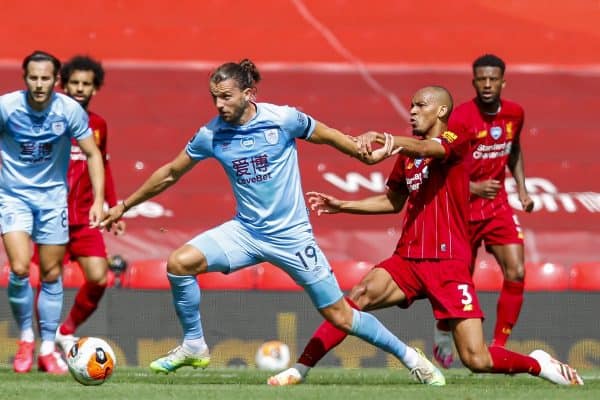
325, 338
508, 362
86, 302
508, 309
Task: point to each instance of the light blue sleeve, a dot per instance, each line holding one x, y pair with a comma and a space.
297, 124
200, 146
79, 125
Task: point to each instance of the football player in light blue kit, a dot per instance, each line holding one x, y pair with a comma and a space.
256, 145
36, 127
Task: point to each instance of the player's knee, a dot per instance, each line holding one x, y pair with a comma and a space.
515, 272
20, 269
341, 322
476, 361
360, 296
175, 265
98, 279
50, 274
340, 317
179, 264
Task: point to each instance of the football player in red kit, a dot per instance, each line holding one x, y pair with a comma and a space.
433, 256
494, 125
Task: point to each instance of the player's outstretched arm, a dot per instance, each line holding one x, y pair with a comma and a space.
349, 145
159, 181
390, 202
411, 147
96, 170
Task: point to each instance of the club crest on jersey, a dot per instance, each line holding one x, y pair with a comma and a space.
418, 162
496, 132
58, 127
247, 142
272, 136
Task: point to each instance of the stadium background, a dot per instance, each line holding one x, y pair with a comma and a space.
352, 65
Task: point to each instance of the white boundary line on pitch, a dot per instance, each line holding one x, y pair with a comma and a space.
356, 62
337, 67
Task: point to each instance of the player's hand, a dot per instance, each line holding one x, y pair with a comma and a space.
365, 142
112, 217
323, 203
487, 189
526, 202
96, 214
119, 228
365, 147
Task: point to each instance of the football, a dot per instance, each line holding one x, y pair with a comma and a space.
91, 361
273, 355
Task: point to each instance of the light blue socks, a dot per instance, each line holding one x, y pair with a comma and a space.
20, 297
186, 299
370, 329
49, 308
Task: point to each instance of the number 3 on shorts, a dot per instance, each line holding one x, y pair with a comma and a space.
466, 296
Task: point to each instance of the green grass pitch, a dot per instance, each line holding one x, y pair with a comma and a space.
323, 383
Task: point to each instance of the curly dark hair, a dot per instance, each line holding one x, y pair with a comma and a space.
82, 63
489, 60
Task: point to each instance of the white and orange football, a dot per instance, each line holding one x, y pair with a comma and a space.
91, 361
273, 355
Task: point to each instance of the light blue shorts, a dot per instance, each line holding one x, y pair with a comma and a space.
49, 226
231, 246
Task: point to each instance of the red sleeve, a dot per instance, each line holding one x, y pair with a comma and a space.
456, 144
517, 138
397, 179
456, 122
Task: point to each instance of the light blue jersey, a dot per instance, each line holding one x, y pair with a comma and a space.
35, 148
261, 162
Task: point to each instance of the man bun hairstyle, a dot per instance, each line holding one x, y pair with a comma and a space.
39, 55
244, 73
489, 60
82, 63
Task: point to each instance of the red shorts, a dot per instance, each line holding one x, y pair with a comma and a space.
446, 283
504, 228
85, 242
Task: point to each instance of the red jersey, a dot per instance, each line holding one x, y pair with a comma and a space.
436, 220
492, 137
81, 194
